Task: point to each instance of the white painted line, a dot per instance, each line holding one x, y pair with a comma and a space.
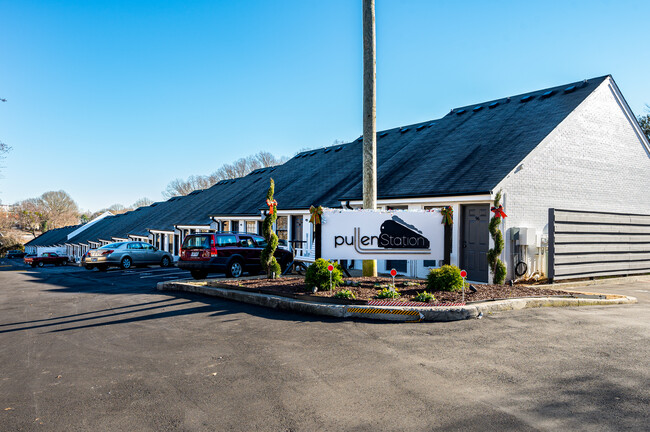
159, 276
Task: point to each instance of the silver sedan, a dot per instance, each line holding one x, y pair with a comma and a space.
125, 255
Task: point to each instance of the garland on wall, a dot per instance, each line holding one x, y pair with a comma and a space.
497, 266
269, 263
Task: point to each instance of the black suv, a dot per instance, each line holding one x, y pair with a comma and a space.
226, 252
15, 254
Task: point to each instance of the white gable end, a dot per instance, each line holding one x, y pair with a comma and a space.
597, 159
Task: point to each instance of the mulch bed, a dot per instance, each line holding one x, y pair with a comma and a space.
295, 287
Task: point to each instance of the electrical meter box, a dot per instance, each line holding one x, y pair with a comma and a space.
527, 236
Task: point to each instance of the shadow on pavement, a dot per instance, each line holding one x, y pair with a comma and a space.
76, 280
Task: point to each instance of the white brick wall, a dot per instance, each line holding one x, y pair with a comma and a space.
594, 160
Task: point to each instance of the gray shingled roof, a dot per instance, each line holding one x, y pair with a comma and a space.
53, 237
470, 150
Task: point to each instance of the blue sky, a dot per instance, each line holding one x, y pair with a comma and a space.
111, 100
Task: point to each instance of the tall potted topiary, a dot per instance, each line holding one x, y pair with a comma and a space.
497, 266
269, 263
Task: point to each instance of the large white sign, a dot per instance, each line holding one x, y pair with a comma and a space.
392, 234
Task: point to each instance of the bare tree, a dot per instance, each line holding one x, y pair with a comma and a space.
644, 122
29, 215
117, 209
54, 209
180, 187
4, 148
239, 168
59, 209
142, 202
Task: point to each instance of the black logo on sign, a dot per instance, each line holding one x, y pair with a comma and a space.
395, 236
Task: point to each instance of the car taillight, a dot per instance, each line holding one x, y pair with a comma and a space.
213, 251
107, 252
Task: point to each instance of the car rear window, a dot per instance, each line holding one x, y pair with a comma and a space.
197, 242
226, 240
112, 245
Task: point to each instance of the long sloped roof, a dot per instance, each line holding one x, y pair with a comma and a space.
470, 150
53, 237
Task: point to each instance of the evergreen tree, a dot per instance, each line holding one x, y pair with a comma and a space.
269, 263
497, 266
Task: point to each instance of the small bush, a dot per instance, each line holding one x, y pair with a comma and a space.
387, 293
445, 278
345, 294
424, 297
318, 276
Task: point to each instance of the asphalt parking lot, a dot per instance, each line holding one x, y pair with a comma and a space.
87, 350
136, 277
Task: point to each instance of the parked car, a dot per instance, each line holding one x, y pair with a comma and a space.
15, 254
125, 255
226, 252
46, 258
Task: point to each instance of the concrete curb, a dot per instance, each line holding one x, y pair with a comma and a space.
390, 313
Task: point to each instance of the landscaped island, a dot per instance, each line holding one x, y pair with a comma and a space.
366, 288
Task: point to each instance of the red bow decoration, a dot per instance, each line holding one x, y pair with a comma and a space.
272, 206
315, 214
498, 212
447, 215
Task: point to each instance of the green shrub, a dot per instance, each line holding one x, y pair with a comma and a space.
424, 297
387, 293
318, 276
345, 294
445, 278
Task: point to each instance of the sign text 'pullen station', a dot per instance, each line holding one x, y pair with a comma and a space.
385, 234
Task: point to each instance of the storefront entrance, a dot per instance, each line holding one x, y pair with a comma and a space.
475, 241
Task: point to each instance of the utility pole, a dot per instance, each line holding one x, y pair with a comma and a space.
369, 119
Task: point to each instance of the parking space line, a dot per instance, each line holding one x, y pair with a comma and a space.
153, 276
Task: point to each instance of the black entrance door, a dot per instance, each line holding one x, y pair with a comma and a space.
296, 230
475, 241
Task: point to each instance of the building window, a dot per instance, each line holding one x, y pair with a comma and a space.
398, 265
282, 227
251, 227
225, 225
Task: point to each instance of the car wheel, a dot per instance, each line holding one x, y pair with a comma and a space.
164, 262
64, 263
40, 264
126, 263
89, 267
199, 274
235, 269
